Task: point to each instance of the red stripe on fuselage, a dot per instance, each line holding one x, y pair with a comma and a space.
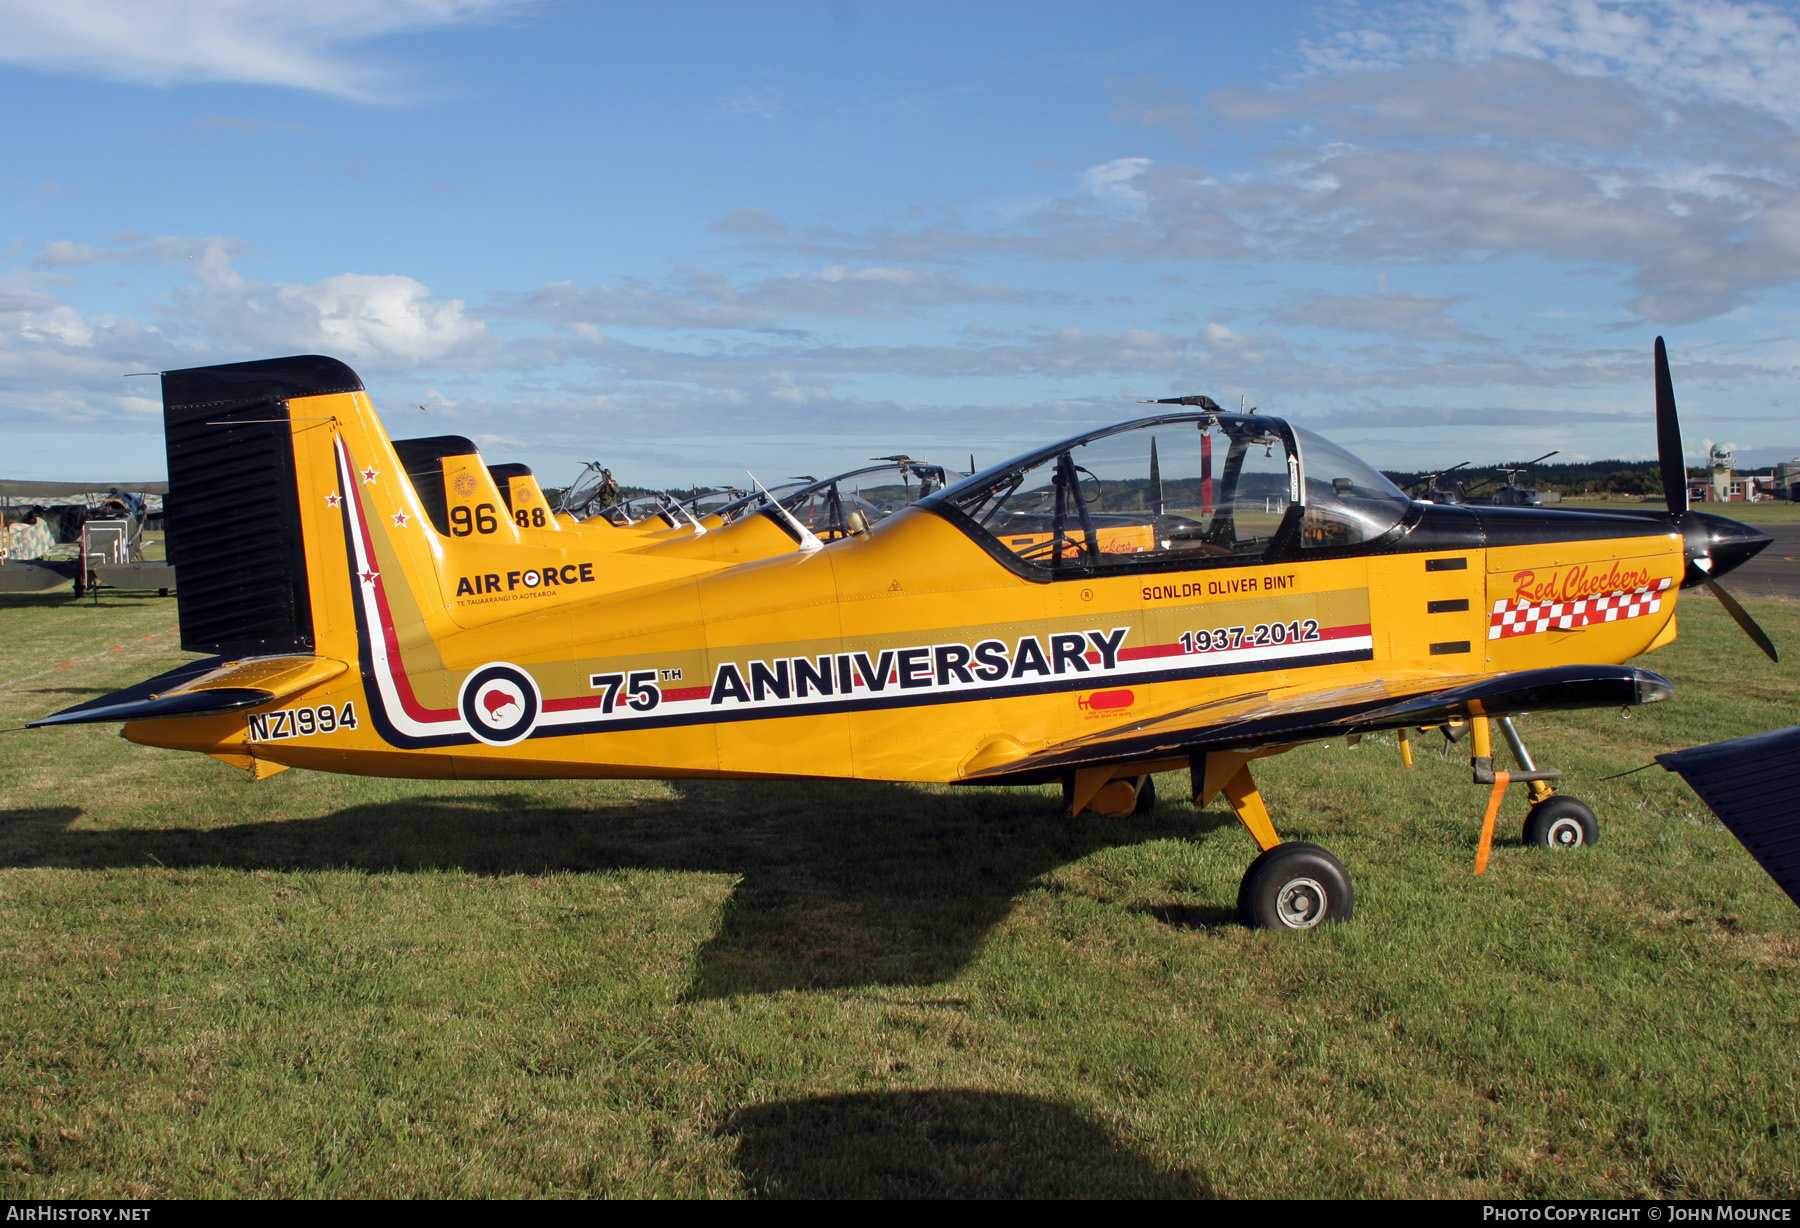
396, 663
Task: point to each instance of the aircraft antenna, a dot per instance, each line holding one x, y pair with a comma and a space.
1197, 401
699, 529
808, 542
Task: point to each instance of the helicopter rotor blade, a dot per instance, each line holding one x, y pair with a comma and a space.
1742, 617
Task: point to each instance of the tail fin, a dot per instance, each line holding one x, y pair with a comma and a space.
299, 521
235, 482
313, 544
525, 499
281, 482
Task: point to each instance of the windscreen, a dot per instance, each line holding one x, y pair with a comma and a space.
829, 508
1347, 500
712, 501
636, 510
592, 490
1202, 486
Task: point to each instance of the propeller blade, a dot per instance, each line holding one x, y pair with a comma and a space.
1743, 618
1156, 491
1668, 437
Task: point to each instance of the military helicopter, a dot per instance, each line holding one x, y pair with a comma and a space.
1194, 589
1428, 488
1510, 493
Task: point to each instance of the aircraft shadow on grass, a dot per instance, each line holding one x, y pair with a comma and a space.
112, 600
941, 1144
839, 884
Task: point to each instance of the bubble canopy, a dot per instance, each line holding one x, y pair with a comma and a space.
1176, 490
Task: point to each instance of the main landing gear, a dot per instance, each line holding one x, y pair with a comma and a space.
1290, 886
1300, 886
1293, 886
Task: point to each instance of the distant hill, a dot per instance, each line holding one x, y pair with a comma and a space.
1600, 477
16, 489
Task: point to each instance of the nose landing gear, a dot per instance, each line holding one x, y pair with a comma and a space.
1555, 820
1561, 822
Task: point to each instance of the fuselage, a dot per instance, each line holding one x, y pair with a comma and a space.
912, 653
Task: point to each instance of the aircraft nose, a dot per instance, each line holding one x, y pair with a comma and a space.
1728, 543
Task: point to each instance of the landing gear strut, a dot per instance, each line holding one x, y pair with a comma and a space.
1291, 886
1554, 821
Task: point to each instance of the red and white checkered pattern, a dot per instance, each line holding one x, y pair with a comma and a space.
1517, 616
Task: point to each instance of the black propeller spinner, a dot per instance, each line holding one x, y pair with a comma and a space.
1713, 544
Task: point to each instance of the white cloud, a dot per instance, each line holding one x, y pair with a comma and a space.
61, 365
1416, 316
1110, 183
299, 44
1747, 55
701, 298
1695, 201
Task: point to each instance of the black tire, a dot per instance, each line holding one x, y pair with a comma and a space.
1561, 823
1295, 886
1146, 801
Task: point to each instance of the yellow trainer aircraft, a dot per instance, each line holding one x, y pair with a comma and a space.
1195, 589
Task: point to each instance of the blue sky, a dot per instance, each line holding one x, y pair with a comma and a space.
690, 238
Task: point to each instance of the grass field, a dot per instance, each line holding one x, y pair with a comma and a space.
1772, 512
329, 986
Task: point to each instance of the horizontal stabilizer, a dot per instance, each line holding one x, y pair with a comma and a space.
36, 576
1749, 784
203, 688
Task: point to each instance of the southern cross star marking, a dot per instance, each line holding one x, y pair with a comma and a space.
370, 474
369, 577
399, 520
332, 499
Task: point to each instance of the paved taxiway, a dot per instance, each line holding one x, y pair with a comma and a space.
1776, 571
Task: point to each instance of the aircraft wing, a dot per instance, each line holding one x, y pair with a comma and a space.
1298, 714
1749, 784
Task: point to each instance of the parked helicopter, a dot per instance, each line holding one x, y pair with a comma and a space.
1430, 489
1510, 494
1194, 589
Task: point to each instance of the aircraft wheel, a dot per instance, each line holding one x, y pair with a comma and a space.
1146, 798
1561, 823
1295, 886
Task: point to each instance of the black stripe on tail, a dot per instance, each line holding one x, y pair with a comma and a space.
233, 515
